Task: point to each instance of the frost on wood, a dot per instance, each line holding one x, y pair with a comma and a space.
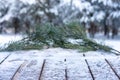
58, 64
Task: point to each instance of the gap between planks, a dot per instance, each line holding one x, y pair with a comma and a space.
109, 64
43, 65
89, 68
66, 76
5, 58
41, 72
112, 69
16, 74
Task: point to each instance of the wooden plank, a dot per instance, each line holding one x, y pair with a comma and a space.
9, 67
100, 69
93, 53
66, 74
89, 68
31, 70
54, 70
4, 56
115, 64
17, 73
77, 69
66, 70
112, 68
41, 71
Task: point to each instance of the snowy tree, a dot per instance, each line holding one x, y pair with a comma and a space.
99, 11
3, 9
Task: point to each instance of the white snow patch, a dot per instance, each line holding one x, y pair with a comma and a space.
75, 41
114, 43
5, 39
80, 4
115, 14
98, 16
29, 1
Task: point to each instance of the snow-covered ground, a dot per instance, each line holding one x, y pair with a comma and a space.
5, 39
114, 43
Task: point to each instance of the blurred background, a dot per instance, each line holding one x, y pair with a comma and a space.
99, 17
98, 20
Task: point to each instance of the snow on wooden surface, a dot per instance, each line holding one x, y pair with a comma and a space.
3, 56
115, 63
100, 69
77, 69
9, 67
59, 64
54, 70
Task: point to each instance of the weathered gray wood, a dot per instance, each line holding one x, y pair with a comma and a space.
29, 65
54, 70
17, 73
42, 68
9, 67
90, 71
115, 64
31, 70
112, 68
3, 56
76, 71
100, 69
